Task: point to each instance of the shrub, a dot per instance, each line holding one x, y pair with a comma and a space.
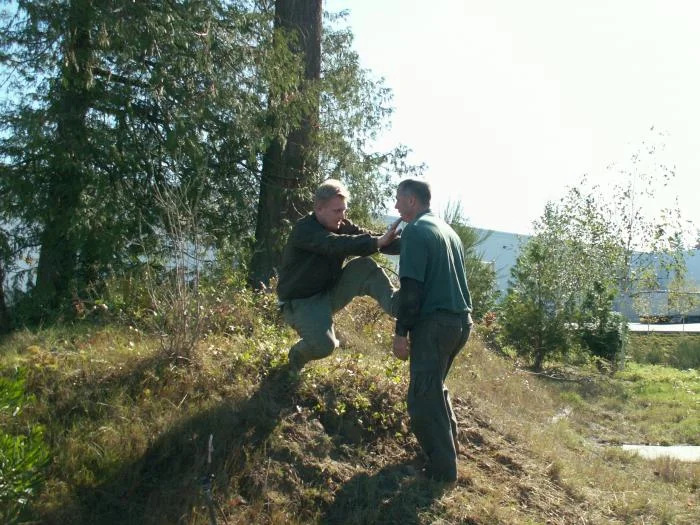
538, 333
680, 351
655, 356
490, 331
23, 456
687, 355
609, 340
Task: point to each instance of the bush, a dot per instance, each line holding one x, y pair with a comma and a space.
183, 309
23, 456
609, 341
655, 356
536, 332
490, 331
687, 355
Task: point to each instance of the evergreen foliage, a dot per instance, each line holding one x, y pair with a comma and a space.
108, 104
607, 340
481, 276
538, 307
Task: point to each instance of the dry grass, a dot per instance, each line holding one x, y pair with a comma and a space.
130, 431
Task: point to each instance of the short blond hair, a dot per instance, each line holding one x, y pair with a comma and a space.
329, 189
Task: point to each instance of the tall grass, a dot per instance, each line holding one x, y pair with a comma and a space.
129, 429
681, 351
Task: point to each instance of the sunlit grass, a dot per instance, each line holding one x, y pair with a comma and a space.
128, 428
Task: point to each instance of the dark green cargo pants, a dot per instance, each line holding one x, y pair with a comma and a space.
312, 317
435, 342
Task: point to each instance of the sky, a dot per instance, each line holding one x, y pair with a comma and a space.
509, 103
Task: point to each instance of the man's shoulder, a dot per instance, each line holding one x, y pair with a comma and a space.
309, 217
415, 234
306, 222
303, 228
430, 220
429, 226
426, 222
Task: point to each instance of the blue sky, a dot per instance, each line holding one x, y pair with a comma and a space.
509, 102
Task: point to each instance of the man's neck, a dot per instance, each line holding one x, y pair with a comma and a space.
420, 213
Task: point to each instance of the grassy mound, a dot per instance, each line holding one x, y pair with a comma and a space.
229, 436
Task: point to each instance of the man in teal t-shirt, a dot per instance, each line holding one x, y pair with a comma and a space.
434, 308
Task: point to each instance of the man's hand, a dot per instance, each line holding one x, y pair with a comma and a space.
390, 234
400, 347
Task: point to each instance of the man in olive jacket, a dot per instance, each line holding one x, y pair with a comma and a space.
314, 282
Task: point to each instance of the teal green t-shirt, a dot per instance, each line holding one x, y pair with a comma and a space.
432, 254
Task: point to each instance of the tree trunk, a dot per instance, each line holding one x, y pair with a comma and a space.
539, 359
5, 323
288, 165
59, 241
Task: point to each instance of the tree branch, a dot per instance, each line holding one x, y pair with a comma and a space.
121, 79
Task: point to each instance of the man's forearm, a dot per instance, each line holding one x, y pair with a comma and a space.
393, 248
409, 305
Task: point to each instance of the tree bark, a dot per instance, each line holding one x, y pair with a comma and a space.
289, 164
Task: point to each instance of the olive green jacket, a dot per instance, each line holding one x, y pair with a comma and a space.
313, 258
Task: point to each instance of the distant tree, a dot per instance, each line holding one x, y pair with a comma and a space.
481, 276
585, 252
634, 218
564, 278
646, 284
542, 293
683, 296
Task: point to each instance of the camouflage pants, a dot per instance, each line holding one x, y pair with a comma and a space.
312, 317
